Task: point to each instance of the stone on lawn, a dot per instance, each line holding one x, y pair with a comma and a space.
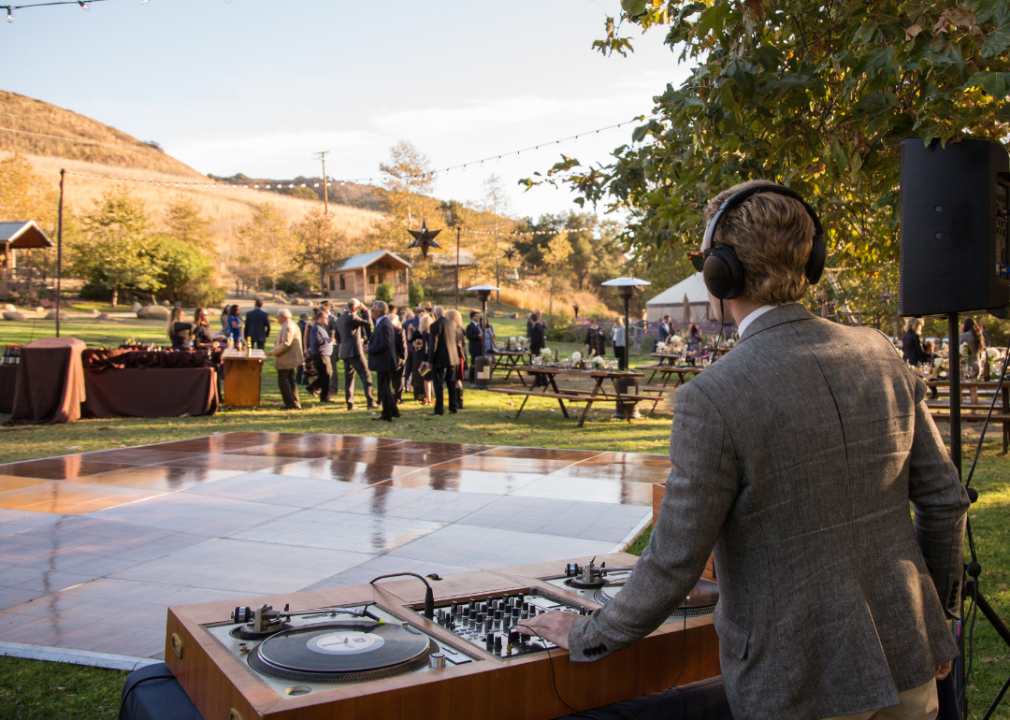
153, 312
13, 315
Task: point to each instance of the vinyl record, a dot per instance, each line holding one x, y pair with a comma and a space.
341, 652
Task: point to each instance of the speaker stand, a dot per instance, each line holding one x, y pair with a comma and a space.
970, 584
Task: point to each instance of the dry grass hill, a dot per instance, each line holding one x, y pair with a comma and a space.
95, 155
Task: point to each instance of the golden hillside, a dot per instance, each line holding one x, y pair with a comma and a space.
33, 127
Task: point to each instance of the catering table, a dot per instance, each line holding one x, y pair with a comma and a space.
49, 387
141, 383
242, 377
598, 393
8, 381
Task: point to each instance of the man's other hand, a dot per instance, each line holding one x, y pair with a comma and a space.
552, 626
943, 670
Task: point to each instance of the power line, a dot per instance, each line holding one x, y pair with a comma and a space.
83, 4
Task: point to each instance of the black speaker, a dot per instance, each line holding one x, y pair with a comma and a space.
955, 246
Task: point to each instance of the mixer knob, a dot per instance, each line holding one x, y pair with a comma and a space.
489, 642
497, 643
519, 599
465, 612
454, 608
514, 637
471, 603
497, 614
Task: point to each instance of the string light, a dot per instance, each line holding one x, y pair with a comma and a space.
83, 4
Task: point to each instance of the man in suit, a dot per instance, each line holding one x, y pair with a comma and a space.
382, 359
349, 327
400, 341
331, 328
537, 334
320, 350
257, 326
474, 344
443, 359
288, 357
795, 458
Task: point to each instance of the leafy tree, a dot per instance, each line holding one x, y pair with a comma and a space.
558, 251
321, 243
181, 267
812, 95
302, 193
184, 222
415, 294
26, 196
266, 246
111, 248
384, 291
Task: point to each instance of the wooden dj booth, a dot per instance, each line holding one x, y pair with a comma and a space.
370, 651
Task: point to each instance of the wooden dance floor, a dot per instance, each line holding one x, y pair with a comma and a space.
95, 546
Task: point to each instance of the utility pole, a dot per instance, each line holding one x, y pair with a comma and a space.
496, 278
59, 256
326, 184
457, 266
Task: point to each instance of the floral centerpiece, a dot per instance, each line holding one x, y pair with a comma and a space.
599, 362
546, 354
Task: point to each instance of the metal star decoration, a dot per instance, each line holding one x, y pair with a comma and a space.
424, 238
510, 253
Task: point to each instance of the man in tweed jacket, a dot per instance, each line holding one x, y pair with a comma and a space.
795, 458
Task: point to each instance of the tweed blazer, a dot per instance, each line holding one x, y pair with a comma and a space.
349, 328
795, 458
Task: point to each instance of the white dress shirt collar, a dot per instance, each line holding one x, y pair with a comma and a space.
754, 315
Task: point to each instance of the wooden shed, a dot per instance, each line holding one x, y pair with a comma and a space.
359, 275
18, 235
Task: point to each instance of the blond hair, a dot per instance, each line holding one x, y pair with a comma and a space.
454, 316
773, 235
425, 323
915, 324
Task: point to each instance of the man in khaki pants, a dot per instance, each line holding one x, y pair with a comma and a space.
794, 460
288, 357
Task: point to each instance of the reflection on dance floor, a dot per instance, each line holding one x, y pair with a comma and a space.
95, 546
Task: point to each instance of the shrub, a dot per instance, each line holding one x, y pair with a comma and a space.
560, 328
384, 292
415, 294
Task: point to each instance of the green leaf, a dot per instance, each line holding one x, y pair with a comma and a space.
633, 7
997, 41
995, 84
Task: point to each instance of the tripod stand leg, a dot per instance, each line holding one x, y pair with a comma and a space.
999, 697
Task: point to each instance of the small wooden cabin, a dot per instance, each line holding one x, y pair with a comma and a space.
15, 235
359, 275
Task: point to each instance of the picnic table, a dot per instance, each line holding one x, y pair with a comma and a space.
669, 371
596, 395
974, 408
510, 360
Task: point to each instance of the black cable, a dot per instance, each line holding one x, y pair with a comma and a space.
126, 695
429, 595
554, 677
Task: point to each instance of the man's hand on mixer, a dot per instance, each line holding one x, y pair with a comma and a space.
553, 626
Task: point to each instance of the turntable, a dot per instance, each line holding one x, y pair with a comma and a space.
601, 584
392, 650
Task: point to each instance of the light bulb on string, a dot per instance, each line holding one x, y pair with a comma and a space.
10, 16
84, 5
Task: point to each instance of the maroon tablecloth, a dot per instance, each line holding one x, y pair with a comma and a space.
150, 392
143, 359
8, 380
50, 382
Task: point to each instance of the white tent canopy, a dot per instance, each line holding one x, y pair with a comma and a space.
671, 301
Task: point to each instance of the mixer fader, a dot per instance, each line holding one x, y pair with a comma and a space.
490, 622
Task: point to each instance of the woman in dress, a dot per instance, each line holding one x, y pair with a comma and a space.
619, 338
911, 344
973, 337
179, 330
235, 326
419, 381
202, 336
461, 351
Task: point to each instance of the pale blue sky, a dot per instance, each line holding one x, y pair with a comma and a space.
258, 87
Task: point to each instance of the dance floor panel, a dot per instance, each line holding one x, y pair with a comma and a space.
95, 546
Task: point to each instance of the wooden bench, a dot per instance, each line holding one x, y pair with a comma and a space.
997, 417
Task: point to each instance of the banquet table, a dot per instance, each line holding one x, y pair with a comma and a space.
49, 386
8, 381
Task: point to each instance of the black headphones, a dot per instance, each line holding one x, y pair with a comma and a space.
724, 273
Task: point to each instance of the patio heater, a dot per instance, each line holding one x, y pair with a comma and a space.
626, 410
626, 288
482, 365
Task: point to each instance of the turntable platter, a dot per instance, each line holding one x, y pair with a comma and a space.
700, 601
341, 652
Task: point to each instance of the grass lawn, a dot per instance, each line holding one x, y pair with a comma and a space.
29, 689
